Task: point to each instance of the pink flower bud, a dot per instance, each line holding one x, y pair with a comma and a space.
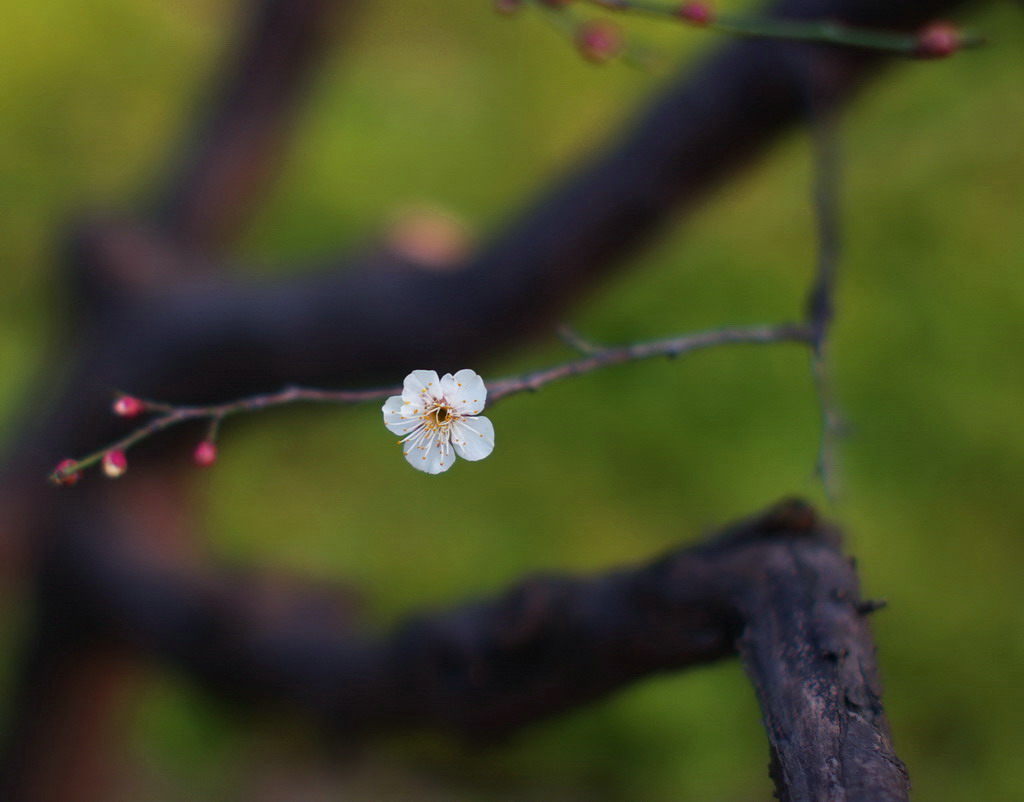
114, 463
128, 407
599, 40
937, 40
63, 479
696, 13
205, 454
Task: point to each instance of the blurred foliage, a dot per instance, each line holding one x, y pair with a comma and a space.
450, 105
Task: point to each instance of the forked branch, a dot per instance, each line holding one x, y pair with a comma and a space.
775, 588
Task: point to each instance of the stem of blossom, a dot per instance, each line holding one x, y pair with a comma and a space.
214, 428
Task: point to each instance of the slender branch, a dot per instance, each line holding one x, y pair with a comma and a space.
170, 415
821, 306
673, 347
821, 31
827, 216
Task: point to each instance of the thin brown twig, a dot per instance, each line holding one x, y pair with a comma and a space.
170, 415
824, 129
675, 346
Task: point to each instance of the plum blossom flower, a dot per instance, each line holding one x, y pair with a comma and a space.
440, 418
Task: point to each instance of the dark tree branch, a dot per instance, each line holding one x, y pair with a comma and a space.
776, 587
807, 648
234, 153
64, 741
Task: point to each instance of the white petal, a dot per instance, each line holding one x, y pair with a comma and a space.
391, 406
473, 438
396, 421
429, 456
420, 384
470, 394
449, 387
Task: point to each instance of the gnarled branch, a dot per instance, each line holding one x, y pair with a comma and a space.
775, 588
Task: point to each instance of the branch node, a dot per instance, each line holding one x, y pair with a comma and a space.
790, 515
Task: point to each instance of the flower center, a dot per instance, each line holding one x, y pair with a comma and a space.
441, 415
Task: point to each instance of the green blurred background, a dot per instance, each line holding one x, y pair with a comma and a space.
448, 104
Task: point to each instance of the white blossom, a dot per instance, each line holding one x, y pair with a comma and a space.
440, 418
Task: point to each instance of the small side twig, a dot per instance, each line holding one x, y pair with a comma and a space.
575, 340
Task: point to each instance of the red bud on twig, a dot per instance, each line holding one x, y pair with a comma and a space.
599, 40
938, 40
696, 13
66, 480
114, 463
205, 454
128, 407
